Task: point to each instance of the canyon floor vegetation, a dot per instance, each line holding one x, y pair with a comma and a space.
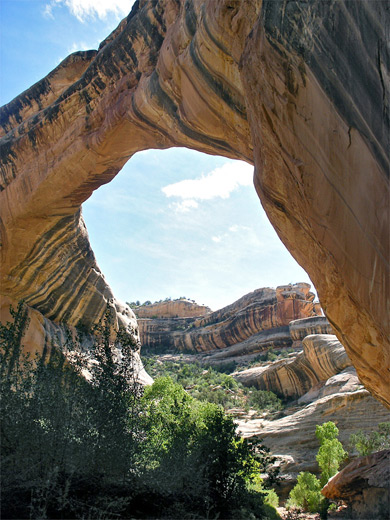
103, 447
211, 385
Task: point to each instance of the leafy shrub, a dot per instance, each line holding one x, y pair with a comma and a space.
307, 493
105, 449
271, 356
331, 452
264, 400
365, 443
226, 368
271, 498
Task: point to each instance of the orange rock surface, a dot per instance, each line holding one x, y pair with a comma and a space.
172, 309
364, 486
250, 325
301, 93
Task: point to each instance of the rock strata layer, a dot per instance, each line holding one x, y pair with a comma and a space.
172, 309
323, 356
254, 323
292, 438
300, 92
365, 486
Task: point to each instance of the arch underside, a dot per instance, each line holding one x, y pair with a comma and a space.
298, 92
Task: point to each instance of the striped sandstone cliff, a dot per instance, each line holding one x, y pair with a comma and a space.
298, 90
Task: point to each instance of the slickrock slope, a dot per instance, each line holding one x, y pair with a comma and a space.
365, 485
253, 323
323, 356
172, 309
301, 91
293, 438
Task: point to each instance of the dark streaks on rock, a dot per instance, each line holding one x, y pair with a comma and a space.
330, 39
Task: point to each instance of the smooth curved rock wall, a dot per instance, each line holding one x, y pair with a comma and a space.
323, 356
292, 438
253, 323
318, 107
299, 90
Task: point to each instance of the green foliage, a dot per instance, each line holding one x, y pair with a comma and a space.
264, 400
329, 457
326, 432
72, 448
61, 435
271, 498
226, 368
365, 443
271, 356
331, 452
213, 386
307, 493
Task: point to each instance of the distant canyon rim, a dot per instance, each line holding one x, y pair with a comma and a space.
299, 90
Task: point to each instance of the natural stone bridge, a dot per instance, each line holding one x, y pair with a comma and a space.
299, 89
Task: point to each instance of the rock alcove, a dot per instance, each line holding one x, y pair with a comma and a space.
300, 93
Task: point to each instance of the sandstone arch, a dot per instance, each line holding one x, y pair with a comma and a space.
298, 89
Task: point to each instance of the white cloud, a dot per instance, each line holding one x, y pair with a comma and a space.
236, 228
185, 206
221, 182
82, 46
84, 9
247, 235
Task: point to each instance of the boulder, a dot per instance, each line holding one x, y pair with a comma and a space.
365, 486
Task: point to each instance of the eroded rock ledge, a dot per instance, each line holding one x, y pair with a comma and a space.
254, 323
365, 485
301, 93
322, 357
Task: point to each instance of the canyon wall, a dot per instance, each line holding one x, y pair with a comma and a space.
298, 89
171, 309
322, 357
254, 323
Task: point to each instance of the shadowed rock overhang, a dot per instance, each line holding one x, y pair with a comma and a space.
298, 89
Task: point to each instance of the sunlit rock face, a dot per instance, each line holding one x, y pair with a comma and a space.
299, 329
300, 92
172, 309
292, 438
364, 486
322, 357
254, 323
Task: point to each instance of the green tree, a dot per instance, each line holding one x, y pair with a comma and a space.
367, 443
331, 452
307, 492
213, 465
73, 448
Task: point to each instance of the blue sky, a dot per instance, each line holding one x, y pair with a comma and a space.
172, 223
